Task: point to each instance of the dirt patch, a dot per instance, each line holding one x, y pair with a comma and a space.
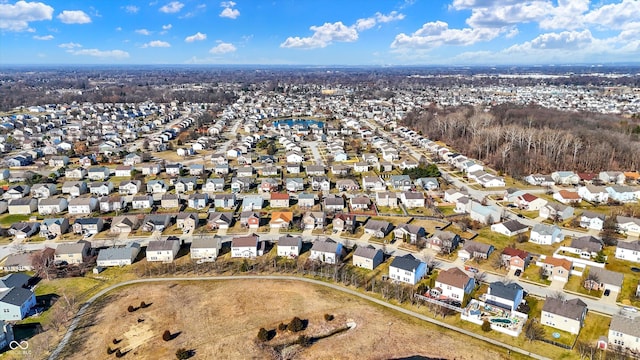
221, 320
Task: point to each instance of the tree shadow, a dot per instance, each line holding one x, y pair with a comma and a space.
175, 335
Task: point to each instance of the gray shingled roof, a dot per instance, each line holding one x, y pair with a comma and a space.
326, 245
407, 263
16, 296
626, 325
162, 245
14, 280
607, 276
514, 225
504, 291
367, 252
571, 309
288, 240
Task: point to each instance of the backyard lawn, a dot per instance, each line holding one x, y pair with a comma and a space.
10, 219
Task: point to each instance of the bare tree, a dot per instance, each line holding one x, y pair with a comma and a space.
533, 330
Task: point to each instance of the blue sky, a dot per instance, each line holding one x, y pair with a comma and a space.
319, 32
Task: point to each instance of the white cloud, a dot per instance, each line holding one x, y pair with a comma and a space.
227, 4
229, 13
322, 36
16, 17
45, 37
131, 9
196, 37
69, 45
172, 7
156, 43
616, 16
74, 17
505, 15
222, 48
117, 54
167, 27
471, 4
143, 32
566, 40
326, 34
119, 28
434, 34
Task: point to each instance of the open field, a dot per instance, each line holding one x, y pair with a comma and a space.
222, 319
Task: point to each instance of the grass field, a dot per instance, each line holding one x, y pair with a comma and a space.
221, 320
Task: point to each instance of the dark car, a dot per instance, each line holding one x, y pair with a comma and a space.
521, 216
518, 272
607, 292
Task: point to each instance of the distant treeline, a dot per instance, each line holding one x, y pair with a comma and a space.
520, 140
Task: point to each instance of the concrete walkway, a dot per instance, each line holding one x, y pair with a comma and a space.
76, 320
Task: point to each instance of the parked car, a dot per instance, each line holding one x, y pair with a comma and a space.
518, 272
607, 292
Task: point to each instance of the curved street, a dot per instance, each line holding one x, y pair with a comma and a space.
76, 320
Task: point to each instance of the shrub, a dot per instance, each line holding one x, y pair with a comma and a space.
486, 326
110, 350
328, 317
263, 334
131, 308
282, 327
303, 340
166, 335
119, 353
296, 324
143, 305
182, 354
115, 341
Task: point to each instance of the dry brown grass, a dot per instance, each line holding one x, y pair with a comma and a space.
221, 320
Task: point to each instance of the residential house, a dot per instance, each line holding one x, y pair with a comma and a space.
123, 170
196, 169
269, 170
157, 187
401, 182
453, 283
130, 187
347, 185
602, 279
557, 269
377, 228
43, 191
213, 185
530, 202
565, 177
546, 234
111, 203
101, 188
279, 200
289, 246
367, 257
510, 228
221, 169
98, 173
515, 259
593, 194
314, 220
409, 233
622, 193
505, 295
628, 225
628, 250
124, 224
170, 201
16, 300
198, 201
443, 241
326, 251
156, 222
294, 184
429, 184
173, 169
269, 185
88, 226
612, 177
205, 248
224, 201
556, 212
586, 246
484, 214
360, 202
344, 222
565, 315
306, 200
333, 203
185, 184
150, 169
163, 250
187, 222
412, 199
373, 183
407, 269
142, 202
320, 183
293, 168
252, 202
241, 184
250, 219
475, 250
220, 220
592, 220
281, 219
386, 199
624, 332
24, 230
118, 256
245, 246
54, 227
540, 180
74, 188
25, 261
77, 173
315, 170
22, 206
73, 253
567, 197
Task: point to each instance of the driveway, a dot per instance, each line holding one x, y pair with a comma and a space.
557, 285
365, 237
